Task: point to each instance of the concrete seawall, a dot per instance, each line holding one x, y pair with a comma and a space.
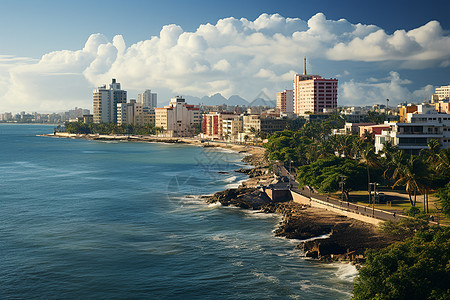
298, 198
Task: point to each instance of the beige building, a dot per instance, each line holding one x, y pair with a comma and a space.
177, 118
285, 101
129, 113
231, 128
441, 93
260, 123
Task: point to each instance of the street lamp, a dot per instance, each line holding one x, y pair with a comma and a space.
342, 185
374, 196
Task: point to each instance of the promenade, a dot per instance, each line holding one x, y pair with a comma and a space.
309, 196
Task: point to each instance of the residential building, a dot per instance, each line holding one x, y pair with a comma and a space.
285, 101
441, 93
404, 110
417, 133
129, 113
148, 99
232, 127
106, 100
177, 118
314, 94
212, 124
262, 123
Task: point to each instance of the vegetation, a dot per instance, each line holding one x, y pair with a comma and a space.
110, 128
324, 174
417, 268
444, 196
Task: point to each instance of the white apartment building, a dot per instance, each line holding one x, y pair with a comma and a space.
148, 99
417, 133
441, 93
177, 118
105, 102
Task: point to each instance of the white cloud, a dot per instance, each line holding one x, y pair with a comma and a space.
233, 56
378, 90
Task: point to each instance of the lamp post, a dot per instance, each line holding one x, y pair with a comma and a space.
290, 171
374, 196
342, 185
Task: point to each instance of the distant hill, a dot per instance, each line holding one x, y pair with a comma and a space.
262, 102
218, 99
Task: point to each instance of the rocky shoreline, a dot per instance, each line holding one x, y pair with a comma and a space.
322, 234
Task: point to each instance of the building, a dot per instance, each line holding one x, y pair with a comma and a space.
212, 124
285, 101
148, 99
404, 110
314, 94
261, 123
105, 102
88, 119
232, 127
177, 118
441, 93
130, 113
417, 133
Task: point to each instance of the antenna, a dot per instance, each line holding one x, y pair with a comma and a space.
304, 66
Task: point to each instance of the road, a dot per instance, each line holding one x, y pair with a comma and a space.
280, 170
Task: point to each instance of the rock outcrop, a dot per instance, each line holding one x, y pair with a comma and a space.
249, 198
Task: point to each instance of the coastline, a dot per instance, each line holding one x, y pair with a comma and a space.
347, 238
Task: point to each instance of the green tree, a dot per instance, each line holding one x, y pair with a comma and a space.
444, 198
418, 268
324, 174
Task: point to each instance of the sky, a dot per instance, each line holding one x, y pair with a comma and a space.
53, 53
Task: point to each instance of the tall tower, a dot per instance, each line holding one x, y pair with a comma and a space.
105, 102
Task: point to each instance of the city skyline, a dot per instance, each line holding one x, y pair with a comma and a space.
238, 49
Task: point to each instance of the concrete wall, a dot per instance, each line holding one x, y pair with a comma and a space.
278, 195
330, 207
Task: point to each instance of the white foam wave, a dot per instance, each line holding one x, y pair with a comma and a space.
234, 185
346, 272
230, 179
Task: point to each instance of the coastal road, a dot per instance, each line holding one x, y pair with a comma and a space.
309, 192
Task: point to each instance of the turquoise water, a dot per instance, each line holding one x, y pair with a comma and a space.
86, 219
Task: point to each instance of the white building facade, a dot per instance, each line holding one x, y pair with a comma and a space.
417, 133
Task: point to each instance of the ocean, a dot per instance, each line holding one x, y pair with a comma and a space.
124, 220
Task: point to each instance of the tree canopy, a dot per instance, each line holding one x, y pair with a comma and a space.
418, 268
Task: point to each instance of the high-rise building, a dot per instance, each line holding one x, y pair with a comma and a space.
314, 94
177, 118
129, 113
105, 102
285, 101
148, 99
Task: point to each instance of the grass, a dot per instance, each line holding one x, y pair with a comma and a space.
399, 202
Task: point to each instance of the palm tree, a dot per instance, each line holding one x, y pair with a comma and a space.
410, 174
366, 154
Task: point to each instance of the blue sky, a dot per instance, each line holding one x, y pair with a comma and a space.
45, 64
